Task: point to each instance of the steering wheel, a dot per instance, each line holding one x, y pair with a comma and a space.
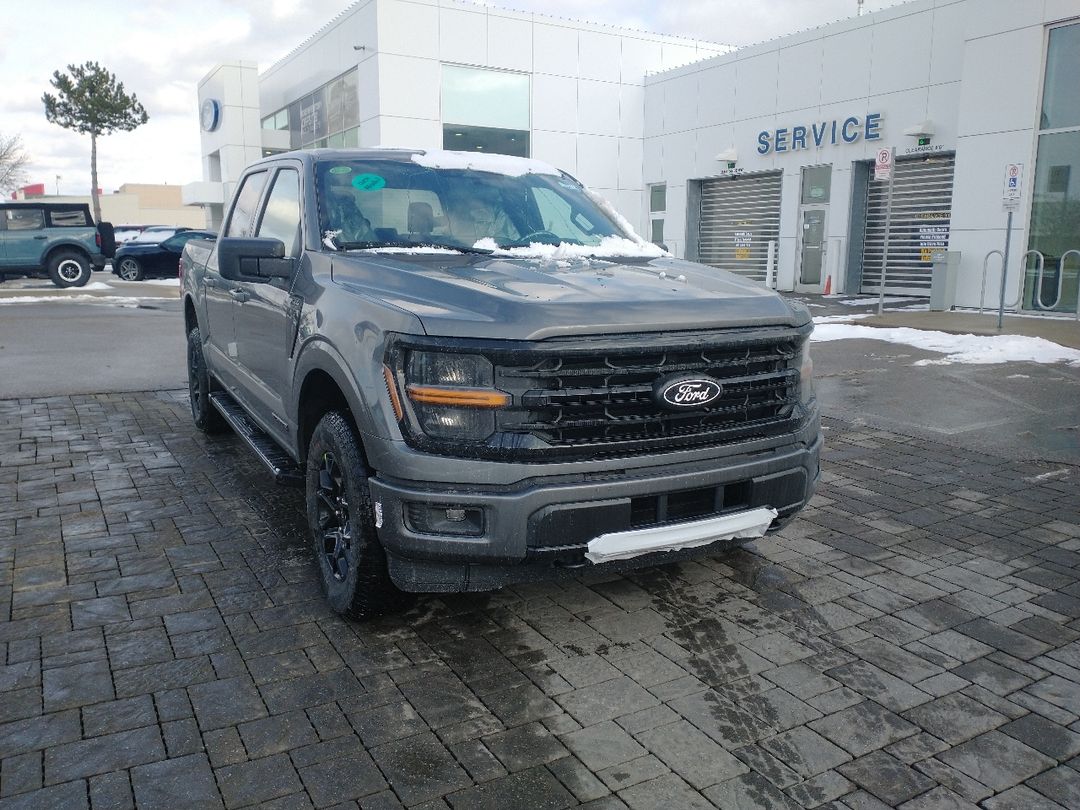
529, 238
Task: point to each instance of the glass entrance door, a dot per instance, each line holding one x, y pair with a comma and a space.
812, 252
813, 218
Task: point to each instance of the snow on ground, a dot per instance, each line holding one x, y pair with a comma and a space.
95, 285
819, 319
867, 300
970, 349
161, 282
114, 300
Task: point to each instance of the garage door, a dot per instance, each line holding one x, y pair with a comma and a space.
921, 212
739, 217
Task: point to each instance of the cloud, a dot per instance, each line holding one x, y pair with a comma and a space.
160, 50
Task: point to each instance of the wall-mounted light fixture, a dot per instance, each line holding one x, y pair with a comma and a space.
923, 129
730, 156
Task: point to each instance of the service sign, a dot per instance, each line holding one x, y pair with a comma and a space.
1014, 186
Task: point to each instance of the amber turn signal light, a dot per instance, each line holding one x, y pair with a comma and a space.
391, 389
457, 397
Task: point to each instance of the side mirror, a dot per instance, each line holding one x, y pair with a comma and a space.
256, 259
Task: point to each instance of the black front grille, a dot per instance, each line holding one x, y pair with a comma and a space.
604, 398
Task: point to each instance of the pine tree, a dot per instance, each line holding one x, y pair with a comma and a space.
90, 100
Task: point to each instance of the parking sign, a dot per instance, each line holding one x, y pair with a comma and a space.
883, 165
1014, 185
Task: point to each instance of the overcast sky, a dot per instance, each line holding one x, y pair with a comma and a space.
160, 49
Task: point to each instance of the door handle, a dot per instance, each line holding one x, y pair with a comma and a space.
238, 295
41, 237
208, 281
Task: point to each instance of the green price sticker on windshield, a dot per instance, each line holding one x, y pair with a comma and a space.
340, 169
368, 182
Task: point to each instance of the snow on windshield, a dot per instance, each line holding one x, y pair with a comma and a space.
477, 161
615, 247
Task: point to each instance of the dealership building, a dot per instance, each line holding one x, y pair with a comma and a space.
763, 160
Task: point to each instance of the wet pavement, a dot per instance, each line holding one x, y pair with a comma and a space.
912, 640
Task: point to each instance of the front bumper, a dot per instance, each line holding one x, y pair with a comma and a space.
538, 528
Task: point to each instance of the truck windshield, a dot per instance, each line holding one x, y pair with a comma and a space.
368, 203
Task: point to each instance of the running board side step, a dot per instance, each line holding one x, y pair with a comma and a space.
285, 471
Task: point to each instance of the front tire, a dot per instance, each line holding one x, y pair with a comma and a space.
129, 269
351, 561
203, 413
69, 269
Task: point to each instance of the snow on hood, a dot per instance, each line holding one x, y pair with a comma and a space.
970, 349
610, 247
478, 161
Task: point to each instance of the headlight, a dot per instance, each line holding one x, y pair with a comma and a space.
806, 373
453, 395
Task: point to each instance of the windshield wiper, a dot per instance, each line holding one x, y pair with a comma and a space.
374, 245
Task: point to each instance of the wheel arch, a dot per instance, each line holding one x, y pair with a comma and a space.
75, 247
323, 385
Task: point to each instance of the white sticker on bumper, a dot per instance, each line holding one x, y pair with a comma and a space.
624, 545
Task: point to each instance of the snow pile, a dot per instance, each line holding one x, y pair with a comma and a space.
117, 300
478, 161
164, 282
95, 285
842, 318
867, 300
610, 247
618, 219
970, 349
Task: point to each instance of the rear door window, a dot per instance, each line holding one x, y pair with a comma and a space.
69, 219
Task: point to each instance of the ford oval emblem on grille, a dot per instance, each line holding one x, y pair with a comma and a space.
690, 392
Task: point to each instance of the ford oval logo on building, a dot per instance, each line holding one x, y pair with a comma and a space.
694, 392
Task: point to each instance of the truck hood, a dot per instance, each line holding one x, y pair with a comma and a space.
530, 299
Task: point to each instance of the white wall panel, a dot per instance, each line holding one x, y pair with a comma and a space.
755, 89
901, 53
599, 56
845, 65
800, 76
408, 29
716, 99
510, 43
631, 159
598, 161
555, 50
1006, 66
554, 103
598, 107
557, 148
462, 35
409, 86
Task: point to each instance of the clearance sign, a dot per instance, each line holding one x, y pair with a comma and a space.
820, 133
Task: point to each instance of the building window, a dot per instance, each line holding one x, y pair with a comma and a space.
322, 117
1055, 203
816, 184
485, 110
658, 198
657, 231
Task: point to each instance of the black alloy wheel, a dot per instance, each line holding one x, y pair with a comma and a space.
203, 413
334, 519
351, 560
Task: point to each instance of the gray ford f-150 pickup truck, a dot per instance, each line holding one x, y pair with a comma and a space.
481, 375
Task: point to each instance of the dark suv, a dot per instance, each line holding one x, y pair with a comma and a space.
58, 238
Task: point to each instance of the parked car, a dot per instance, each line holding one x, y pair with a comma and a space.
60, 239
158, 233
480, 375
136, 260
125, 233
